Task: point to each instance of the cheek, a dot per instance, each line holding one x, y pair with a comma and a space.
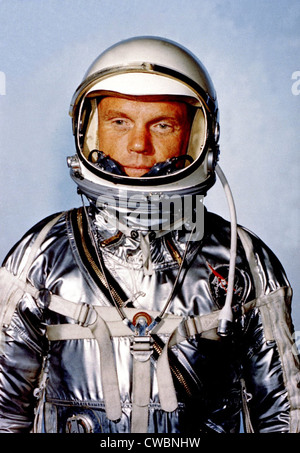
170, 147
110, 143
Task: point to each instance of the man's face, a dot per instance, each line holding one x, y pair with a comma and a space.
137, 134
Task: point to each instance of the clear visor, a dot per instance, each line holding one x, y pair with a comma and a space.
144, 85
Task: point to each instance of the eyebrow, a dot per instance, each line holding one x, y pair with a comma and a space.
118, 113
114, 113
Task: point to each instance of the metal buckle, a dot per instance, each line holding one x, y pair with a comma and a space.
79, 424
142, 347
142, 344
141, 322
87, 314
189, 327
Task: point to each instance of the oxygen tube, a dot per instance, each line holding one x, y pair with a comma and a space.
226, 316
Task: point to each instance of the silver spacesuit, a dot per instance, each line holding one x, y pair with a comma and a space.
112, 323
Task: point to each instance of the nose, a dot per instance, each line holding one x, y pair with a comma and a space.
139, 140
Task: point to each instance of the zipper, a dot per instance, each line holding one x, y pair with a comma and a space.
93, 264
175, 371
173, 250
246, 397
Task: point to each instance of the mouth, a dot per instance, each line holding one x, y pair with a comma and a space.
136, 171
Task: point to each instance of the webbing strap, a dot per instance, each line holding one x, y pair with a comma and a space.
166, 390
199, 324
13, 287
277, 322
36, 245
255, 271
139, 419
277, 325
191, 326
109, 375
141, 389
12, 290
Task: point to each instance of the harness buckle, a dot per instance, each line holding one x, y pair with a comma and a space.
142, 347
79, 424
87, 314
142, 344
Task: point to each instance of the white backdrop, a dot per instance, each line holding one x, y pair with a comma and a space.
251, 49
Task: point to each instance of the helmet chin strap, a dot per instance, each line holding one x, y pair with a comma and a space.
226, 316
168, 166
104, 162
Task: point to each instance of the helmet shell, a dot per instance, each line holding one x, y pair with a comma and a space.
147, 66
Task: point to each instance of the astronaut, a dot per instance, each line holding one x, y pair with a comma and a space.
140, 311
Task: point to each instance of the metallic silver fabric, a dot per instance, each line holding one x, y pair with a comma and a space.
72, 398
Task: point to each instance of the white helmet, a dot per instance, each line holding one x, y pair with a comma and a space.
145, 66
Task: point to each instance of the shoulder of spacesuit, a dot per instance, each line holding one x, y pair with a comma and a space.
52, 225
268, 264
